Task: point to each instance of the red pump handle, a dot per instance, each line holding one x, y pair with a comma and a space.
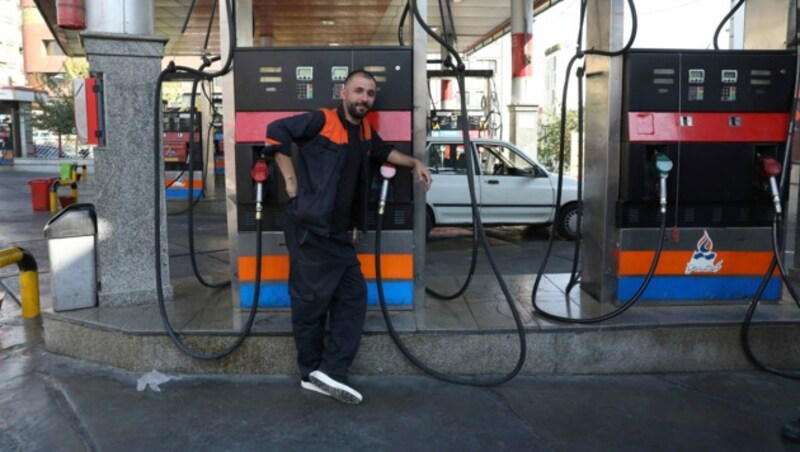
770, 167
260, 171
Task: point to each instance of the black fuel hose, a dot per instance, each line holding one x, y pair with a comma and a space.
190, 196
560, 185
401, 25
157, 153
468, 154
722, 22
463, 380
748, 320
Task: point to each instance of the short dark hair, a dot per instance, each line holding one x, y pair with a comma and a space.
361, 72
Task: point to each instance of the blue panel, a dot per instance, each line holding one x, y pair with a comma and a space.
686, 288
276, 295
179, 194
397, 293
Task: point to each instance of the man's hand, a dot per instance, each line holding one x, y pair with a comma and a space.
422, 173
291, 189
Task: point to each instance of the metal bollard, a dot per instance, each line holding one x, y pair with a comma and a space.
28, 278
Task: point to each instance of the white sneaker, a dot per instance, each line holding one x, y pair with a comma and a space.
309, 385
335, 389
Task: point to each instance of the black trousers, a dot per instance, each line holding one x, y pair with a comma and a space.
325, 284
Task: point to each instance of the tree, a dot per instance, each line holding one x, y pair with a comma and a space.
549, 138
58, 109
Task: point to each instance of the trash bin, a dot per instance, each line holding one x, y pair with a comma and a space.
40, 193
71, 237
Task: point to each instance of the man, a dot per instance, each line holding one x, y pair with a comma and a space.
328, 193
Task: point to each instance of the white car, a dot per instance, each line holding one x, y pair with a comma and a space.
512, 188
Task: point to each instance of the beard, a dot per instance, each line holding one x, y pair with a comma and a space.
355, 112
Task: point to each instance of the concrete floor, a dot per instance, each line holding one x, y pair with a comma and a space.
53, 402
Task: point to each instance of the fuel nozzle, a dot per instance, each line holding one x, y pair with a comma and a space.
388, 172
662, 165
260, 172
771, 169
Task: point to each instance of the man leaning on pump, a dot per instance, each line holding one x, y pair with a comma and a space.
328, 193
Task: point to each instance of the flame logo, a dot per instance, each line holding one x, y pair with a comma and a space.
703, 256
704, 247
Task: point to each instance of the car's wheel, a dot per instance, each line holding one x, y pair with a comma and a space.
566, 223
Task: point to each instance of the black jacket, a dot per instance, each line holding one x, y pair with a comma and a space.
322, 137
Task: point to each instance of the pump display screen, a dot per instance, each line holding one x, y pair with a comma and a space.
305, 73
338, 73
697, 75
729, 75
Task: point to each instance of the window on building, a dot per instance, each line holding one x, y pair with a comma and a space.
51, 48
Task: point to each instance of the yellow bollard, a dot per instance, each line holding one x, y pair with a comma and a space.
29, 286
10, 256
28, 278
54, 196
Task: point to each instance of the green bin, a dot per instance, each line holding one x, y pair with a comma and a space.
66, 170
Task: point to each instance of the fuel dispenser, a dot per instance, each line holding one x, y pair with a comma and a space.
273, 83
178, 159
720, 117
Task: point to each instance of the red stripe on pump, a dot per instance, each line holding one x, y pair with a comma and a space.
251, 126
707, 127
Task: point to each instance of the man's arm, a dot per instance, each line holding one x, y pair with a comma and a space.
280, 136
287, 169
421, 171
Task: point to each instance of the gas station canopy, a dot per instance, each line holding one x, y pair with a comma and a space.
309, 22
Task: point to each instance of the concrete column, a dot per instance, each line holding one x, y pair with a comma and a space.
603, 105
420, 135
25, 130
522, 111
244, 38
16, 137
208, 141
128, 66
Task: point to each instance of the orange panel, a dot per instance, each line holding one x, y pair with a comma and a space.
273, 268
276, 268
393, 266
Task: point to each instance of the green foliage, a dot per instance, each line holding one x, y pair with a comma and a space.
57, 109
57, 115
549, 138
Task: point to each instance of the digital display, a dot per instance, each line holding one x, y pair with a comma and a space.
305, 73
729, 75
697, 75
339, 73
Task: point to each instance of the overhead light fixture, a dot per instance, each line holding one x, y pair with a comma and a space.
457, 1
327, 22
334, 44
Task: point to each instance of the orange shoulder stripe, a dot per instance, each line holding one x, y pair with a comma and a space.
333, 129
